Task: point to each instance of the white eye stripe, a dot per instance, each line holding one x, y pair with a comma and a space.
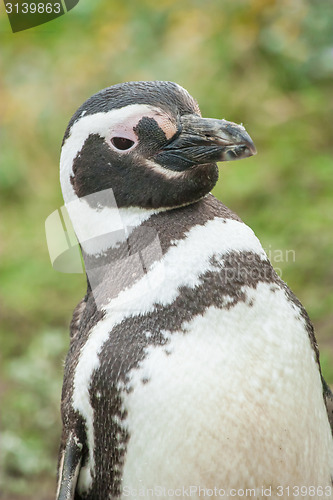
126, 127
105, 125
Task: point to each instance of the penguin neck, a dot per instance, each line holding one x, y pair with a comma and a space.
121, 245
101, 229
101, 226
115, 245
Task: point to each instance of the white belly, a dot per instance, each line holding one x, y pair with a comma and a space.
234, 403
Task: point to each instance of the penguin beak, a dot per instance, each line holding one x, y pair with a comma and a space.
205, 140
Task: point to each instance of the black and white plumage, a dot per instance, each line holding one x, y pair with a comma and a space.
191, 362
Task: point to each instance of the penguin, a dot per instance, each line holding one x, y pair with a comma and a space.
193, 370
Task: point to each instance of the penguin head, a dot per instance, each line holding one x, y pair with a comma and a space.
148, 142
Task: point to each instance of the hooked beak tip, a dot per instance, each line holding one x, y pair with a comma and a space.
240, 151
241, 145
250, 147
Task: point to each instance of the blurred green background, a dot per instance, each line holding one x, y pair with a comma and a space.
265, 63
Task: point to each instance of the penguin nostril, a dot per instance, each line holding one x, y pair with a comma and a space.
122, 143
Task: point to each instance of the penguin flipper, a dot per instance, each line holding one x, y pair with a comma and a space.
329, 403
69, 469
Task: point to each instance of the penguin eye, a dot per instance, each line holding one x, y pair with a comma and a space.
122, 143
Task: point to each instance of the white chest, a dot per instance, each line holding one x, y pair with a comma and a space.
236, 402
233, 400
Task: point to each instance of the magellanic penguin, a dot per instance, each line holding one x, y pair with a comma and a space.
192, 367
